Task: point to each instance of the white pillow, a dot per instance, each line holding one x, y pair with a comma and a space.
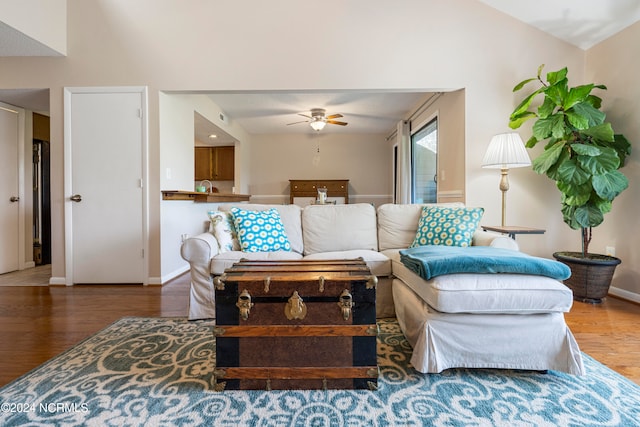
222, 228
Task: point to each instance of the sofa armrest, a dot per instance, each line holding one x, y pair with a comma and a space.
199, 248
198, 251
488, 238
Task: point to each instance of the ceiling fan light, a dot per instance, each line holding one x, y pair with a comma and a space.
317, 125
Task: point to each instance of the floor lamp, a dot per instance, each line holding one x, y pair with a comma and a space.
505, 151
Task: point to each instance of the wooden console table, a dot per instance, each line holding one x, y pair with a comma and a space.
309, 188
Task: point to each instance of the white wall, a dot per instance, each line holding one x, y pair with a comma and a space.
616, 63
42, 20
366, 44
362, 159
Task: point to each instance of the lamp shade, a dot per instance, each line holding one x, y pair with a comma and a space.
505, 151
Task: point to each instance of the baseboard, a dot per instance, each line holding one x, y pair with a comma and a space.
28, 264
624, 294
155, 281
58, 281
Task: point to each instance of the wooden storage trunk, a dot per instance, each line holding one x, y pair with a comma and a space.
296, 325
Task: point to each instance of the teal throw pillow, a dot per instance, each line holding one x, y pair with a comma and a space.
447, 226
260, 231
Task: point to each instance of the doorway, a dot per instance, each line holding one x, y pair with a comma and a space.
41, 194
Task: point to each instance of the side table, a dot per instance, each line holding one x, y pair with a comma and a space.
512, 230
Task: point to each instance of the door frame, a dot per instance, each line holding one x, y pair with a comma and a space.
21, 169
68, 172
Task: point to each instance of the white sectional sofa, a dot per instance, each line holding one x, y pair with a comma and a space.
459, 320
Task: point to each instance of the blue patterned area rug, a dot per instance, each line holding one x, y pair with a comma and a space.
159, 372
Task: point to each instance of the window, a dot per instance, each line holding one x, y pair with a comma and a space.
424, 156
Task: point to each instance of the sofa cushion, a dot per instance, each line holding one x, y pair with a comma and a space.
397, 223
486, 293
448, 226
289, 214
330, 228
225, 260
379, 264
221, 226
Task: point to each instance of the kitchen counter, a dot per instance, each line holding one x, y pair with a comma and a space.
204, 197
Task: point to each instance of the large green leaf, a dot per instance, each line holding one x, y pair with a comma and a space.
587, 110
554, 77
602, 132
606, 160
575, 195
558, 92
603, 205
577, 94
548, 158
552, 172
531, 142
622, 147
578, 121
525, 104
568, 215
516, 121
610, 184
595, 101
588, 216
570, 172
586, 150
550, 126
546, 108
522, 83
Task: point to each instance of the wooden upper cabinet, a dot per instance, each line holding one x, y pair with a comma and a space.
214, 163
224, 163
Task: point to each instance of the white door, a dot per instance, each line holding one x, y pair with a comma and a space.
104, 198
9, 201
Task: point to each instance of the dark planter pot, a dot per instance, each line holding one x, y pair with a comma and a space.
590, 277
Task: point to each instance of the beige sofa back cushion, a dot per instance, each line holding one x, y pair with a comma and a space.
397, 224
330, 228
289, 214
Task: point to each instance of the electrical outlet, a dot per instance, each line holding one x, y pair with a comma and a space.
184, 237
610, 250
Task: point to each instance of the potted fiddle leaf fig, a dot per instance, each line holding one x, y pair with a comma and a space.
582, 155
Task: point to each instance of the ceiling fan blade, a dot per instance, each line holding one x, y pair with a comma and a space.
334, 116
304, 115
295, 123
335, 122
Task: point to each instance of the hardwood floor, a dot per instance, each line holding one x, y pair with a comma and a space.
39, 322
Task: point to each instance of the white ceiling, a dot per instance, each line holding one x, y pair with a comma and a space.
583, 23
365, 112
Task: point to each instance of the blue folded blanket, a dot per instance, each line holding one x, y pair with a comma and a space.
436, 260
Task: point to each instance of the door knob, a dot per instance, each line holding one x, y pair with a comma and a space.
14, 199
76, 198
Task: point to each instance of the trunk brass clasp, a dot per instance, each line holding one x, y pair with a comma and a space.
244, 304
346, 304
295, 308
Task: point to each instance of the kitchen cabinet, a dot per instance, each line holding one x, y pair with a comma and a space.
214, 163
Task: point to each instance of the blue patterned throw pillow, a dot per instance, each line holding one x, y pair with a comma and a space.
447, 226
260, 231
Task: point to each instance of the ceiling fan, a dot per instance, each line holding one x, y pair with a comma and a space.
318, 119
